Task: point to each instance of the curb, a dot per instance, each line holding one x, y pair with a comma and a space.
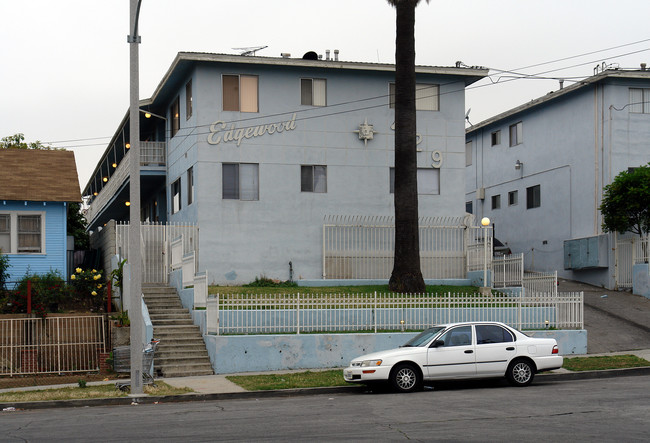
283, 393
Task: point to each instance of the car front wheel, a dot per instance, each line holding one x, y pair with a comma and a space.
520, 373
405, 378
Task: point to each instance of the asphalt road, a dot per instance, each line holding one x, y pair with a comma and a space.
614, 409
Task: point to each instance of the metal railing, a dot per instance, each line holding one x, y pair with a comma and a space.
51, 345
301, 313
363, 247
508, 271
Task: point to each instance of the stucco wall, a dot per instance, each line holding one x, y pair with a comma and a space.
241, 240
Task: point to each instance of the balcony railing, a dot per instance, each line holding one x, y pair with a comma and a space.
151, 154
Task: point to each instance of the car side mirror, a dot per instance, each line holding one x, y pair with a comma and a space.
438, 343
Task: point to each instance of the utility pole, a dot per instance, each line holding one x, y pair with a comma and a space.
135, 262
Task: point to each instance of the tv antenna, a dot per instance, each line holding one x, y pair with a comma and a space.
250, 50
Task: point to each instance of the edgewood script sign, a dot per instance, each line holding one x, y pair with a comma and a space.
219, 133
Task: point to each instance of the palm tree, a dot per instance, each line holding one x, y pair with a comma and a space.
407, 275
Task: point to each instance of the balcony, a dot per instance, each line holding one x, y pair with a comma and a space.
110, 201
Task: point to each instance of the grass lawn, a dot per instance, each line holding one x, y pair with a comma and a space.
308, 379
604, 362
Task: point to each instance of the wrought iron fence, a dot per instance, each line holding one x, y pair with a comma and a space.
52, 344
305, 313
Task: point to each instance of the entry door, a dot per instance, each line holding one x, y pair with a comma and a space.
454, 359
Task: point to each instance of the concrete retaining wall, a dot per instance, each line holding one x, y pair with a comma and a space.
246, 353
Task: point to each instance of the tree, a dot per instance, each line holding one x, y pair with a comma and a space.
626, 203
407, 275
17, 141
77, 227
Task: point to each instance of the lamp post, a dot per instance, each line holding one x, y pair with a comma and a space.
485, 222
135, 308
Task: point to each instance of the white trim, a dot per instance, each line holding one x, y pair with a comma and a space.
13, 231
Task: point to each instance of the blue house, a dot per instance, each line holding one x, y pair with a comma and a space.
35, 188
538, 172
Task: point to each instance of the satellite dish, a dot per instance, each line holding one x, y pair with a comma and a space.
467, 114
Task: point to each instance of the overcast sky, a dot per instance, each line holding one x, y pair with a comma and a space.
65, 63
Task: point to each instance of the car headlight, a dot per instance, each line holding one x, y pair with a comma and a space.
367, 363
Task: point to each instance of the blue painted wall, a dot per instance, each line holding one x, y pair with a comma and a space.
54, 257
573, 146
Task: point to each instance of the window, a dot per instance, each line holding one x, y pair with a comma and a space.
5, 233
29, 233
240, 181
426, 97
313, 178
496, 138
516, 134
22, 233
468, 154
313, 91
469, 207
176, 117
496, 201
513, 197
428, 181
176, 196
188, 100
190, 186
486, 334
640, 101
460, 336
240, 93
533, 197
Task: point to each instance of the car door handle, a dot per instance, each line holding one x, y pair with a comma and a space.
510, 348
469, 351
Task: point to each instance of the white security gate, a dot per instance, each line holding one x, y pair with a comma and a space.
155, 247
631, 249
363, 247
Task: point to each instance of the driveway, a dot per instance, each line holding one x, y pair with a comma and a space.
615, 320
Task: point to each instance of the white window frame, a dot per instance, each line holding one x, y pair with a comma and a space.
312, 184
190, 185
427, 96
247, 97
639, 100
313, 92
176, 196
14, 234
516, 136
253, 193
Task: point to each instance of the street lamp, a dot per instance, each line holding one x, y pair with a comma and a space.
485, 222
135, 309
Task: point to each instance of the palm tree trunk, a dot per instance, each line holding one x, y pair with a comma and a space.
406, 275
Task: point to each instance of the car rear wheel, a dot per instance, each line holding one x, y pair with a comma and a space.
405, 378
520, 373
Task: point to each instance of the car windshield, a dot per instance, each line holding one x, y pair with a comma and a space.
424, 337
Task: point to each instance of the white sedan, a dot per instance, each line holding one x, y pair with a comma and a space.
458, 351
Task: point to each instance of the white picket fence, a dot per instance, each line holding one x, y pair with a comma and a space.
301, 313
508, 271
363, 247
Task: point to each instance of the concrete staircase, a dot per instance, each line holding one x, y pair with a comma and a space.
181, 352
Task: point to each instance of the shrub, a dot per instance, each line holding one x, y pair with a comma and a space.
47, 291
263, 281
89, 288
4, 266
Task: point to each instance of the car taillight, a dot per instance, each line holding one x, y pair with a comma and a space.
555, 350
